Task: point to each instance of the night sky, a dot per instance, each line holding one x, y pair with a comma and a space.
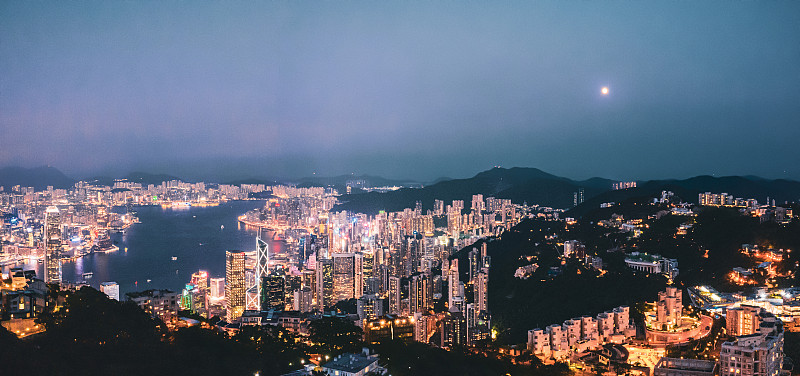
407, 89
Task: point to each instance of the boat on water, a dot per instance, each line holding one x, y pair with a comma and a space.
221, 227
88, 275
174, 258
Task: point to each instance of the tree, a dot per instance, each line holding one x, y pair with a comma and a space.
335, 335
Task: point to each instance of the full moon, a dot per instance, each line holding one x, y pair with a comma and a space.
604, 90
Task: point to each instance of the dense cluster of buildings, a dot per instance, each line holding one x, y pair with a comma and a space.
750, 206
581, 334
754, 348
55, 225
394, 265
415, 275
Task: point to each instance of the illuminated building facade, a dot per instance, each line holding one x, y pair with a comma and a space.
303, 300
52, 238
453, 329
324, 283
158, 303
262, 266
234, 284
453, 283
757, 354
669, 308
742, 320
420, 298
388, 328
581, 334
481, 286
111, 289
685, 367
348, 281
394, 295
217, 288
200, 281
273, 294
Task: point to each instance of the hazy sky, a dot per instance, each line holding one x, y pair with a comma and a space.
416, 89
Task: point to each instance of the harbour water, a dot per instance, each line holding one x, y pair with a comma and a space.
167, 247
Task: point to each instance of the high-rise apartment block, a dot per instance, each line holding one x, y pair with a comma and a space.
757, 354
743, 320
52, 239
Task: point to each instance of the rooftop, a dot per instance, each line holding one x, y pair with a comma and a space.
642, 257
351, 362
687, 364
148, 293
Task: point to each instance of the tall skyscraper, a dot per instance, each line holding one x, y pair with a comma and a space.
481, 292
368, 265
273, 294
262, 265
394, 295
200, 280
234, 284
453, 282
324, 283
302, 300
348, 281
420, 293
52, 238
475, 263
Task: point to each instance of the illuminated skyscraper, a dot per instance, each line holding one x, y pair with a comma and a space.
324, 283
453, 282
52, 238
368, 267
394, 295
273, 297
481, 292
262, 265
348, 281
420, 293
200, 279
234, 284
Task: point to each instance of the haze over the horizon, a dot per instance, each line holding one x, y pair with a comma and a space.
401, 89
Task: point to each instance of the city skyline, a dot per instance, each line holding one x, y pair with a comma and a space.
412, 90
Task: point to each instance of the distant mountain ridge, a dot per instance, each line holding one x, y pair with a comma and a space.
38, 177
342, 180
780, 190
535, 186
520, 184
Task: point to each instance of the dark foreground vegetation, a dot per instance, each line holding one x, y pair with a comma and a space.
89, 334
